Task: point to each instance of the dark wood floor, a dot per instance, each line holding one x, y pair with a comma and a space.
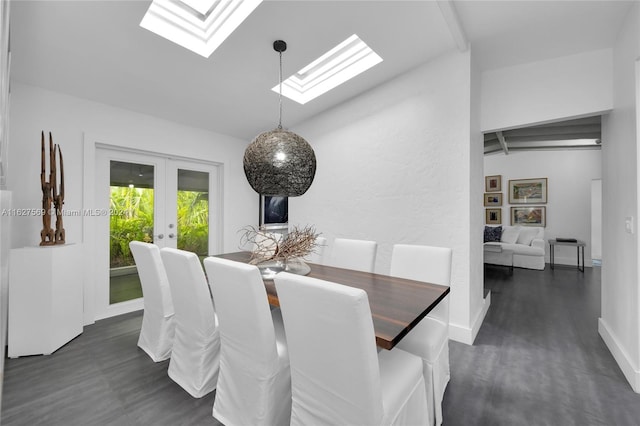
537, 360
99, 378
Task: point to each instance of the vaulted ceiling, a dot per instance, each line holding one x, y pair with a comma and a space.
96, 50
581, 133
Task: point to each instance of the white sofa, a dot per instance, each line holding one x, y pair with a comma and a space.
527, 243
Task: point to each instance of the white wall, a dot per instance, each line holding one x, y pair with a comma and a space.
569, 175
5, 231
476, 212
394, 166
5, 196
69, 118
619, 324
596, 220
536, 92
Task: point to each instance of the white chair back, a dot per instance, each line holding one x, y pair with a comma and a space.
157, 331
332, 350
196, 349
254, 386
424, 263
359, 255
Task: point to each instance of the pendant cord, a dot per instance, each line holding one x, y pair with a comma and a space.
280, 94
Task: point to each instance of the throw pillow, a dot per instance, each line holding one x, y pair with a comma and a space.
527, 235
492, 233
510, 234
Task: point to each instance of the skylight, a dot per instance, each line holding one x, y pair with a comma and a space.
342, 63
198, 25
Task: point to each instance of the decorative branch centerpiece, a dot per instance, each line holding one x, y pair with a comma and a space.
274, 252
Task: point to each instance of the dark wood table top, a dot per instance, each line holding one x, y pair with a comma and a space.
397, 304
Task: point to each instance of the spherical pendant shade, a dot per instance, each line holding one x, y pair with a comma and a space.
279, 163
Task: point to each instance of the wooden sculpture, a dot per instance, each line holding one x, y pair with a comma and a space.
51, 196
47, 236
58, 200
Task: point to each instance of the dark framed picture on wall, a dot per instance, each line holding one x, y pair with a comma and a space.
493, 199
493, 216
493, 183
274, 212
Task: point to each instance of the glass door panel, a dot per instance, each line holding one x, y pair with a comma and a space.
131, 218
192, 215
192, 211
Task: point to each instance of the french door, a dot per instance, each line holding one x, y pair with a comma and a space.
151, 198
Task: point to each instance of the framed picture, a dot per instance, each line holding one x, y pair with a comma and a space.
528, 191
493, 183
529, 216
274, 212
493, 216
493, 199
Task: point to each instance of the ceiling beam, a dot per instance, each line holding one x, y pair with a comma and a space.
554, 144
503, 143
450, 15
586, 129
558, 137
490, 137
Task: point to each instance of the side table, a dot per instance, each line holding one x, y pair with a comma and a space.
46, 299
579, 245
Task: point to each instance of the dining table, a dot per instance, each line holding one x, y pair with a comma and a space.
397, 304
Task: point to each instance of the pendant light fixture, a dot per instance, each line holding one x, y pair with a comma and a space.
279, 162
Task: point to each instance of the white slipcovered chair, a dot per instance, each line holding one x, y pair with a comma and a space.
196, 346
359, 255
156, 333
337, 375
430, 338
254, 385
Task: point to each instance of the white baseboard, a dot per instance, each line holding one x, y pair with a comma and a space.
626, 364
468, 335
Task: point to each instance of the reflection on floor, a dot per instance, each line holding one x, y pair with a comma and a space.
124, 287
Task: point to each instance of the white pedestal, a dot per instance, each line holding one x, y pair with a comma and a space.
45, 298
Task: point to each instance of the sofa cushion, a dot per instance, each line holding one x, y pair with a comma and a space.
492, 233
510, 234
526, 235
521, 249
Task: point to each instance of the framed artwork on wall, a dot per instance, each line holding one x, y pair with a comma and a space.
493, 199
493, 183
528, 191
493, 216
274, 212
529, 216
